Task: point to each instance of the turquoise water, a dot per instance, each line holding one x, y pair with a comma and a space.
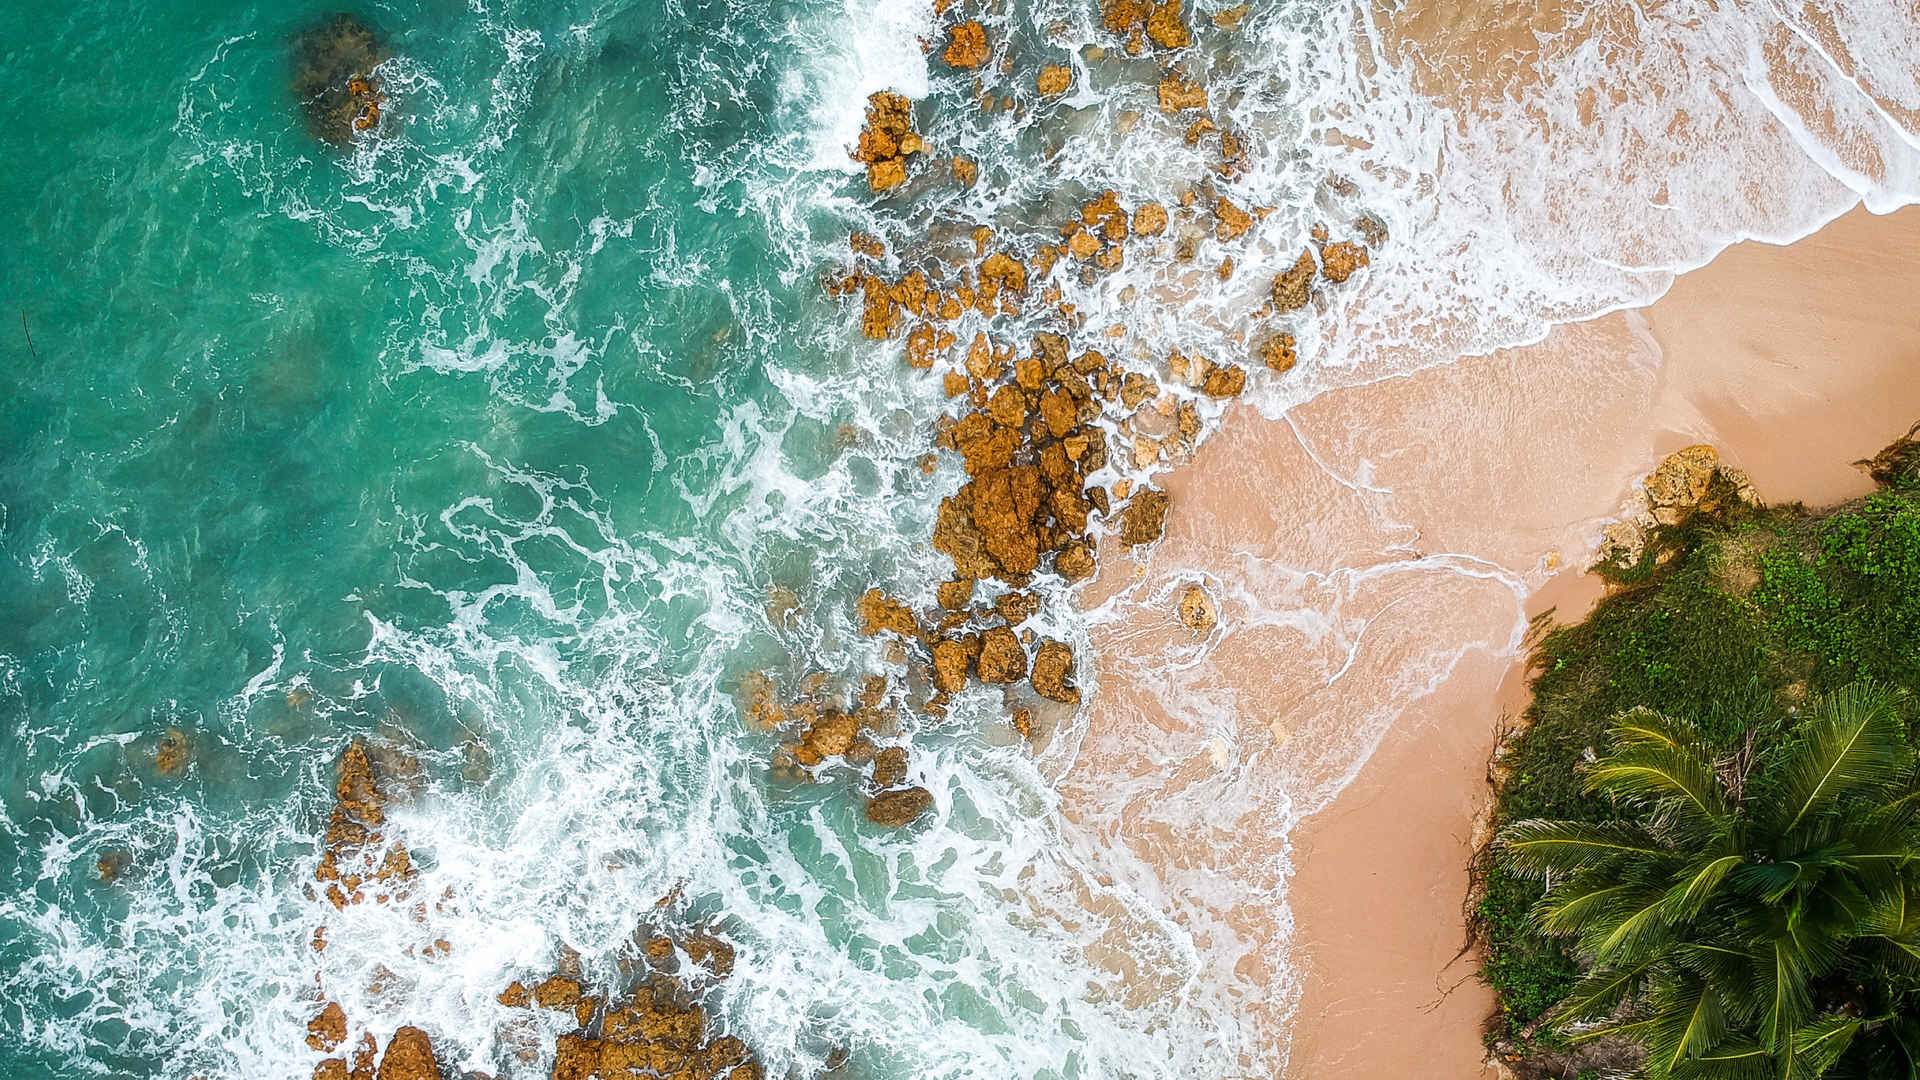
486, 439
505, 437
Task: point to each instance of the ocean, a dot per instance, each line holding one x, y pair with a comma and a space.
517, 435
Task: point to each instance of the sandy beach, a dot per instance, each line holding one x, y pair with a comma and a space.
1375, 559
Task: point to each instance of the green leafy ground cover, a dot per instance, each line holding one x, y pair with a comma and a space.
1735, 621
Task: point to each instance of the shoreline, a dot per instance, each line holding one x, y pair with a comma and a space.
1374, 559
1740, 345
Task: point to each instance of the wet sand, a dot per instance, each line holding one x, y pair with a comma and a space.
1375, 558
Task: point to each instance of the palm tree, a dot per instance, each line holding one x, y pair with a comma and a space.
1763, 926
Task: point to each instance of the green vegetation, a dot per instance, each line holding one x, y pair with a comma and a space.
1732, 630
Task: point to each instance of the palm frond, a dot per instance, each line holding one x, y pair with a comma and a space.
1536, 848
1596, 994
1677, 783
1853, 744
1689, 1022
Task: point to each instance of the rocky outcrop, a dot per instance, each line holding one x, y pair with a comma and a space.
335, 79
1899, 463
887, 140
329, 1029
1686, 482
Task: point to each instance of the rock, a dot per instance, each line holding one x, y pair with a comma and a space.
1145, 517
409, 1057
1017, 607
1178, 94
1137, 389
1002, 660
1023, 723
882, 613
1680, 481
516, 995
170, 757
558, 992
1372, 230
1052, 668
887, 140
830, 735
1224, 381
334, 80
1166, 28
966, 45
951, 658
1076, 563
1898, 463
895, 809
710, 952
966, 171
890, 767
332, 1069
1229, 221
1197, 611
329, 1029
1623, 544
1150, 219
1291, 290
110, 865
1338, 262
957, 594
1279, 352
1054, 79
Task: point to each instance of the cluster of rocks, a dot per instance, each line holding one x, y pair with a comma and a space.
1686, 482
335, 80
656, 1029
887, 140
356, 863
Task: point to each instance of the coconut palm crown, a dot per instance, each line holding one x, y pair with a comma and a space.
1763, 926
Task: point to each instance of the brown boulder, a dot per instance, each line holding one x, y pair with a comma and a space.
1145, 517
1017, 607
1052, 668
1229, 221
516, 995
966, 45
1075, 563
1166, 28
1197, 611
830, 735
1340, 261
1224, 381
409, 1057
329, 1029
880, 612
1279, 352
1291, 290
890, 767
1054, 79
1178, 94
957, 594
894, 809
951, 658
1150, 219
558, 992
1002, 660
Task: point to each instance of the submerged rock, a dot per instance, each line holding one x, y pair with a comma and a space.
334, 78
170, 757
895, 809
